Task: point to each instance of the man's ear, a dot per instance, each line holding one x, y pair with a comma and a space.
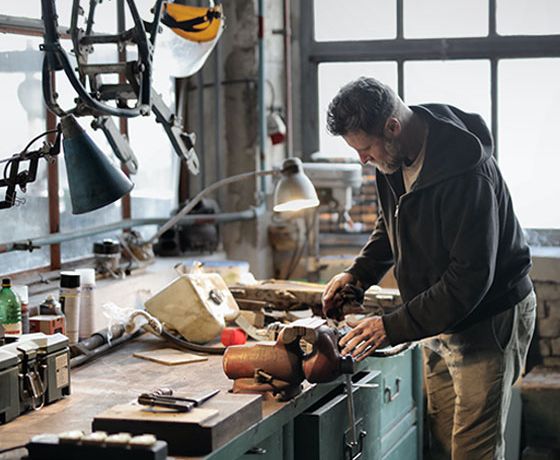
392, 128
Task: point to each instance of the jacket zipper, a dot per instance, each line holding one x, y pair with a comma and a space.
396, 217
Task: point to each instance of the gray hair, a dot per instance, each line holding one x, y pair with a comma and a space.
364, 104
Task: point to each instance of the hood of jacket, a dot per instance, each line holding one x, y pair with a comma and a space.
463, 142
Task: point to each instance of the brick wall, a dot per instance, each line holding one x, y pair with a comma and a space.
546, 278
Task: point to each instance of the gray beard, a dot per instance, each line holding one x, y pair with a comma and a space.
396, 160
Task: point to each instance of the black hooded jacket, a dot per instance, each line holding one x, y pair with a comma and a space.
458, 250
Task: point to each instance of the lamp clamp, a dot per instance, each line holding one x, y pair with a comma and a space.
12, 176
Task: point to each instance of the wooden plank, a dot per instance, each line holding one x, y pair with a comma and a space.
134, 411
170, 356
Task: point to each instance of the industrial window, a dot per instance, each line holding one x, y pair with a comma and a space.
358, 20
499, 58
528, 17
24, 116
331, 77
445, 18
429, 81
528, 98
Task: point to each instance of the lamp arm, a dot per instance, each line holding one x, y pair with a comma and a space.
192, 203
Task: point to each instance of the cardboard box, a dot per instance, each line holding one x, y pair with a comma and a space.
47, 324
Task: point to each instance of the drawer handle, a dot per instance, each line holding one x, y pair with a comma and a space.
256, 451
389, 395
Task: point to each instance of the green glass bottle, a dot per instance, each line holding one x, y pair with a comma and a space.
11, 308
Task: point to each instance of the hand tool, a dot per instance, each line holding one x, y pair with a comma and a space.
163, 397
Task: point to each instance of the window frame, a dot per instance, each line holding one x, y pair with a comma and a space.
493, 47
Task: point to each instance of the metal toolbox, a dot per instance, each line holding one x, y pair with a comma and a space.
9, 394
34, 371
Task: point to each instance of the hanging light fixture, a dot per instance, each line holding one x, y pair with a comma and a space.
93, 180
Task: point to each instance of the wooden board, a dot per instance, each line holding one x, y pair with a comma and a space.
170, 356
198, 432
134, 411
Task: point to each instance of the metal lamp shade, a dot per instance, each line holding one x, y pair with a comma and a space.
93, 181
294, 190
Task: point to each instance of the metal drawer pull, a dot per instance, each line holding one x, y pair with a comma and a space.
389, 396
365, 385
256, 451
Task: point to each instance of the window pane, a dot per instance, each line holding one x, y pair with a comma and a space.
354, 19
22, 9
105, 18
529, 147
156, 183
528, 17
465, 84
445, 18
21, 119
331, 78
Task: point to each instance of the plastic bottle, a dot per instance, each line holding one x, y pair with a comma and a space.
87, 302
23, 295
70, 302
11, 308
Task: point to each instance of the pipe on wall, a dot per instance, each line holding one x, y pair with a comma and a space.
195, 219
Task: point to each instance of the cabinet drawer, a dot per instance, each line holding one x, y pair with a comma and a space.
397, 387
406, 448
269, 449
320, 433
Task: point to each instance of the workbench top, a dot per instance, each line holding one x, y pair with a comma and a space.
118, 377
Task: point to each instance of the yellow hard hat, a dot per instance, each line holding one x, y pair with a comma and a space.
191, 34
195, 23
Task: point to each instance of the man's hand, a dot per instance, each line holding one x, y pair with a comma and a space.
366, 336
336, 283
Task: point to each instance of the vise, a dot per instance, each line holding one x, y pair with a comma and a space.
299, 353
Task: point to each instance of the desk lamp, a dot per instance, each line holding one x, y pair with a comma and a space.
294, 191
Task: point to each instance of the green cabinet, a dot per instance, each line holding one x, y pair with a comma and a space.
397, 384
315, 425
405, 447
271, 448
322, 432
390, 413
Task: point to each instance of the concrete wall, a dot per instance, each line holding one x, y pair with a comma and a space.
239, 133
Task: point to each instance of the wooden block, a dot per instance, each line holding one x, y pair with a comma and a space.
169, 356
193, 433
135, 411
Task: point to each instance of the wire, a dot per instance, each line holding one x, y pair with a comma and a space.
8, 160
50, 131
9, 449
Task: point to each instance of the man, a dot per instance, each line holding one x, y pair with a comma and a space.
447, 224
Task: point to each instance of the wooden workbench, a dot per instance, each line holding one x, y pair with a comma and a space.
119, 377
310, 426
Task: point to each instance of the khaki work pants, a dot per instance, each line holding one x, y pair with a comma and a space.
468, 378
